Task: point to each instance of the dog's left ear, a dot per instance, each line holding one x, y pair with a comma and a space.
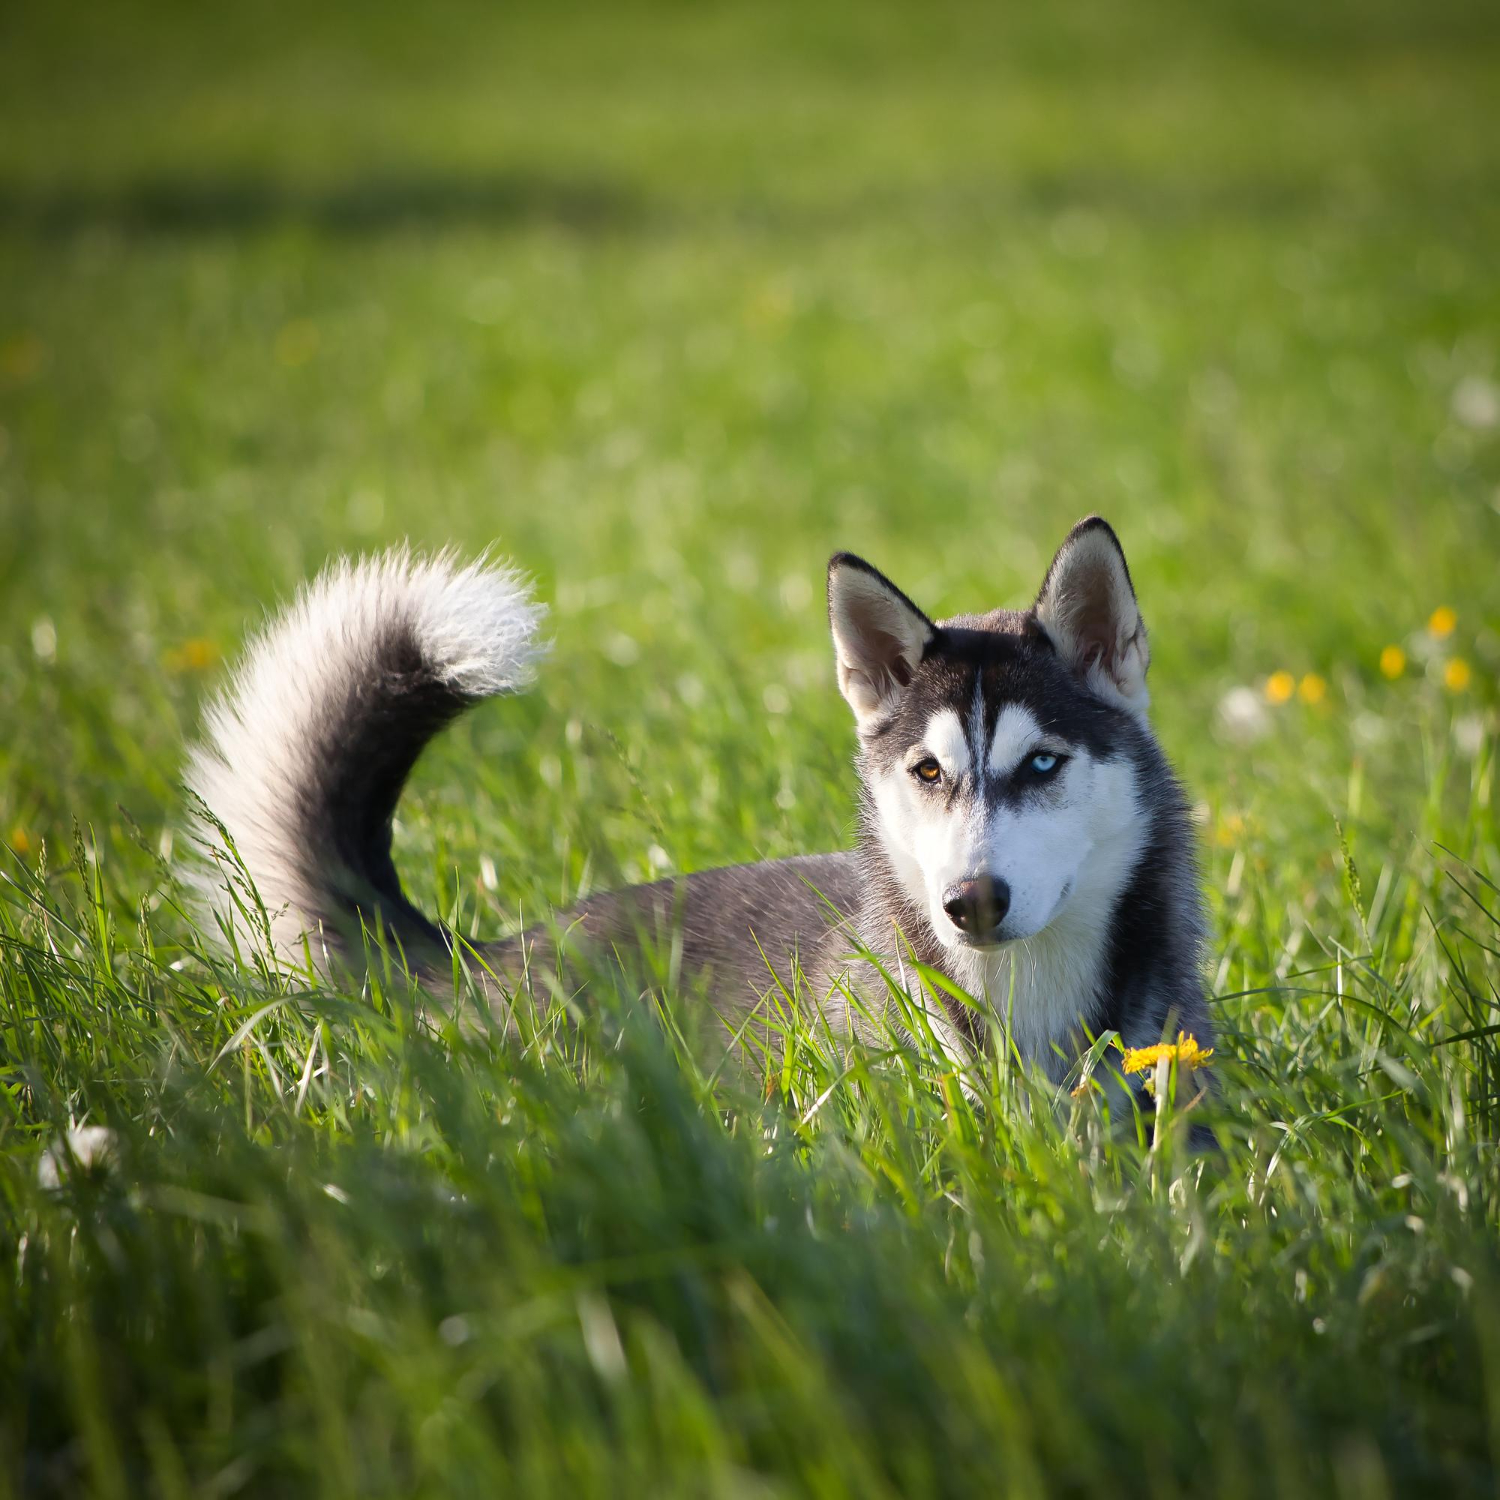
1087, 606
879, 635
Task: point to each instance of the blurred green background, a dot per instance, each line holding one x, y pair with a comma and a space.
669, 302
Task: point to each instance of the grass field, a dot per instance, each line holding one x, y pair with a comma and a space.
671, 302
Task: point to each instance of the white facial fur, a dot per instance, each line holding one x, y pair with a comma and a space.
1066, 847
1066, 852
947, 742
1016, 736
1042, 847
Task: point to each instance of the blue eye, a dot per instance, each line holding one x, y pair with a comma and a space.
1044, 764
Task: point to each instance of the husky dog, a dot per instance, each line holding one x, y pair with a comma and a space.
1021, 831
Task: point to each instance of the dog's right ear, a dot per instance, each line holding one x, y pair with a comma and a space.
879, 635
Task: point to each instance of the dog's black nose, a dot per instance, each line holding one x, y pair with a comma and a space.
977, 906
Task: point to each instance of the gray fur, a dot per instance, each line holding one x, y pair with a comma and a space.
307, 752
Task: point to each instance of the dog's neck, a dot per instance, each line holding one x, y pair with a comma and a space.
1041, 992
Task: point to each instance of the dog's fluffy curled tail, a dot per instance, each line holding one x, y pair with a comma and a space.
308, 748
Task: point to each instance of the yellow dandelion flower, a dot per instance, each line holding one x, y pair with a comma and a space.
1139, 1059
1185, 1050
1392, 662
1280, 686
1442, 620
193, 655
1312, 688
1082, 1089
1457, 675
20, 840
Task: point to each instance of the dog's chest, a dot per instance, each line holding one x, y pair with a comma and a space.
1040, 993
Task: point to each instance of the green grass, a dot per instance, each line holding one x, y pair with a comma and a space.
671, 303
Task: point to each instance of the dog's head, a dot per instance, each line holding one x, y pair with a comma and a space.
993, 747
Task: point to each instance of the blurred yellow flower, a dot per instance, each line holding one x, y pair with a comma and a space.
1442, 621
1185, 1050
1457, 675
1392, 662
1280, 686
192, 655
1312, 688
22, 356
297, 342
770, 307
1230, 828
20, 840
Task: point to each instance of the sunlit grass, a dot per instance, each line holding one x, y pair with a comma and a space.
673, 306
324, 1224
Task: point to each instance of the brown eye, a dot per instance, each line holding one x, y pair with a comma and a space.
927, 770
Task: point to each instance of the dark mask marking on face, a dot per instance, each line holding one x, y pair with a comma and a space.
1012, 661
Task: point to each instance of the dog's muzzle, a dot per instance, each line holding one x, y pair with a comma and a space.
977, 907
